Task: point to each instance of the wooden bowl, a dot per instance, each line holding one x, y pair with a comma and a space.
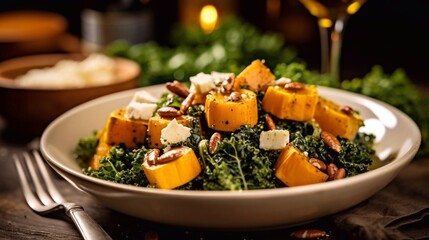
27, 110
28, 32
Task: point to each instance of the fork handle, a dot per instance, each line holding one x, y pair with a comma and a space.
89, 229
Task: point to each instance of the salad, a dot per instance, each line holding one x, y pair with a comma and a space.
227, 132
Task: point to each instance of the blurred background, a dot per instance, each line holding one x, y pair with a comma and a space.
176, 39
390, 33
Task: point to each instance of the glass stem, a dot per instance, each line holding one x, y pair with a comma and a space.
324, 47
336, 41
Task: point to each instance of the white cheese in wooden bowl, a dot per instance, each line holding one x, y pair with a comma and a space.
96, 69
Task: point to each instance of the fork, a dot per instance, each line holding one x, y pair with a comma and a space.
49, 199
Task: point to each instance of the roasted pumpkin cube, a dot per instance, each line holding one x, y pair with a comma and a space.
101, 151
157, 123
339, 121
294, 169
175, 173
291, 104
119, 129
255, 76
224, 114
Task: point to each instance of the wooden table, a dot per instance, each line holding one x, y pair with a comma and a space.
18, 221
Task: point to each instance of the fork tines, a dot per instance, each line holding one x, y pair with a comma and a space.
36, 177
43, 197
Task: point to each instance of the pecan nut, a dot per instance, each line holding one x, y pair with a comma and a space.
187, 102
177, 88
152, 156
330, 140
319, 164
340, 174
347, 110
227, 84
213, 142
171, 155
235, 96
270, 122
309, 233
169, 112
295, 86
332, 169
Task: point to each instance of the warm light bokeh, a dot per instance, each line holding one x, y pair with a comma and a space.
208, 18
353, 8
190, 11
325, 22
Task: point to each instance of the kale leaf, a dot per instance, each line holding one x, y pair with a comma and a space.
122, 166
314, 147
239, 164
85, 149
357, 156
169, 101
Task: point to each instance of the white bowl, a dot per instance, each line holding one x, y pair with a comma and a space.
396, 133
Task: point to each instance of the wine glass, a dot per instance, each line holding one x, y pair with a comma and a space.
331, 18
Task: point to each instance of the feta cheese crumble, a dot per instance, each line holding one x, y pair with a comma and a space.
143, 96
273, 139
138, 110
142, 106
174, 133
203, 82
